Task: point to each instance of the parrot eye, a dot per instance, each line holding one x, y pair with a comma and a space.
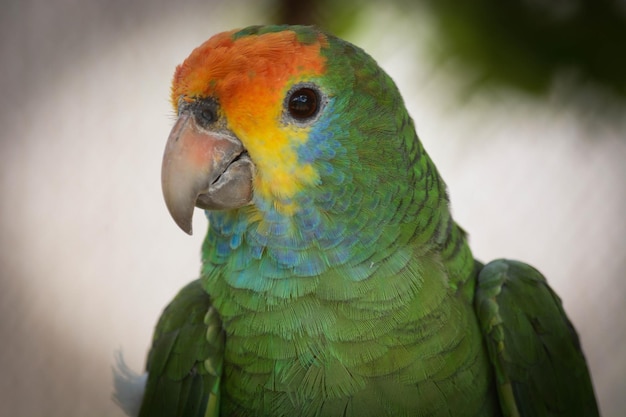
205, 112
303, 103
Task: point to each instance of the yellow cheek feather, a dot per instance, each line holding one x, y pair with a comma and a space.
249, 77
280, 173
272, 146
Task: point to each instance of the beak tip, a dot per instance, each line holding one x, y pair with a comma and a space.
187, 230
181, 211
185, 227
183, 222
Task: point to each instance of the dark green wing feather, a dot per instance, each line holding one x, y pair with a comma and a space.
185, 361
535, 351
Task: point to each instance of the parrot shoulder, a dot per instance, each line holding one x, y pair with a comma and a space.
535, 352
184, 364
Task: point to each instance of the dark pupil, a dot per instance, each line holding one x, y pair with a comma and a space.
303, 103
207, 116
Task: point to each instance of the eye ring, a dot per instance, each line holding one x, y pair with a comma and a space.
303, 103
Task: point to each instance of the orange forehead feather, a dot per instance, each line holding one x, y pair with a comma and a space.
225, 67
248, 75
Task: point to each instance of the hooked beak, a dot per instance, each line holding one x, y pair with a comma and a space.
209, 170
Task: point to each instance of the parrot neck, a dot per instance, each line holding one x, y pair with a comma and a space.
288, 256
285, 257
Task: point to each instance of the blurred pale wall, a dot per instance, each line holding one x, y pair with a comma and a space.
89, 256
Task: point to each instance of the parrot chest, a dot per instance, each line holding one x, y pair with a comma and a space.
333, 366
385, 337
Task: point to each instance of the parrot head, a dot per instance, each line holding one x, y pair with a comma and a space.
275, 117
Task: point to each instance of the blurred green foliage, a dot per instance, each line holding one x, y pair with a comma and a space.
336, 17
526, 43
523, 44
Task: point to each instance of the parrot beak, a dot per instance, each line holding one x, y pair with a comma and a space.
209, 170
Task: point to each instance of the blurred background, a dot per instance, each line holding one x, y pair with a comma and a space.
521, 104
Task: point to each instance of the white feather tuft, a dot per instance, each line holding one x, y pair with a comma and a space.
129, 386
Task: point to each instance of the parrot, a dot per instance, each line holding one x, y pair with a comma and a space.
334, 280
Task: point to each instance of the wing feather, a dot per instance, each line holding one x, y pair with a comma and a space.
539, 365
180, 384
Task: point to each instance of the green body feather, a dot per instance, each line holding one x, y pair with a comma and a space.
361, 303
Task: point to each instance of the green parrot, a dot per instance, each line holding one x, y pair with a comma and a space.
334, 280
